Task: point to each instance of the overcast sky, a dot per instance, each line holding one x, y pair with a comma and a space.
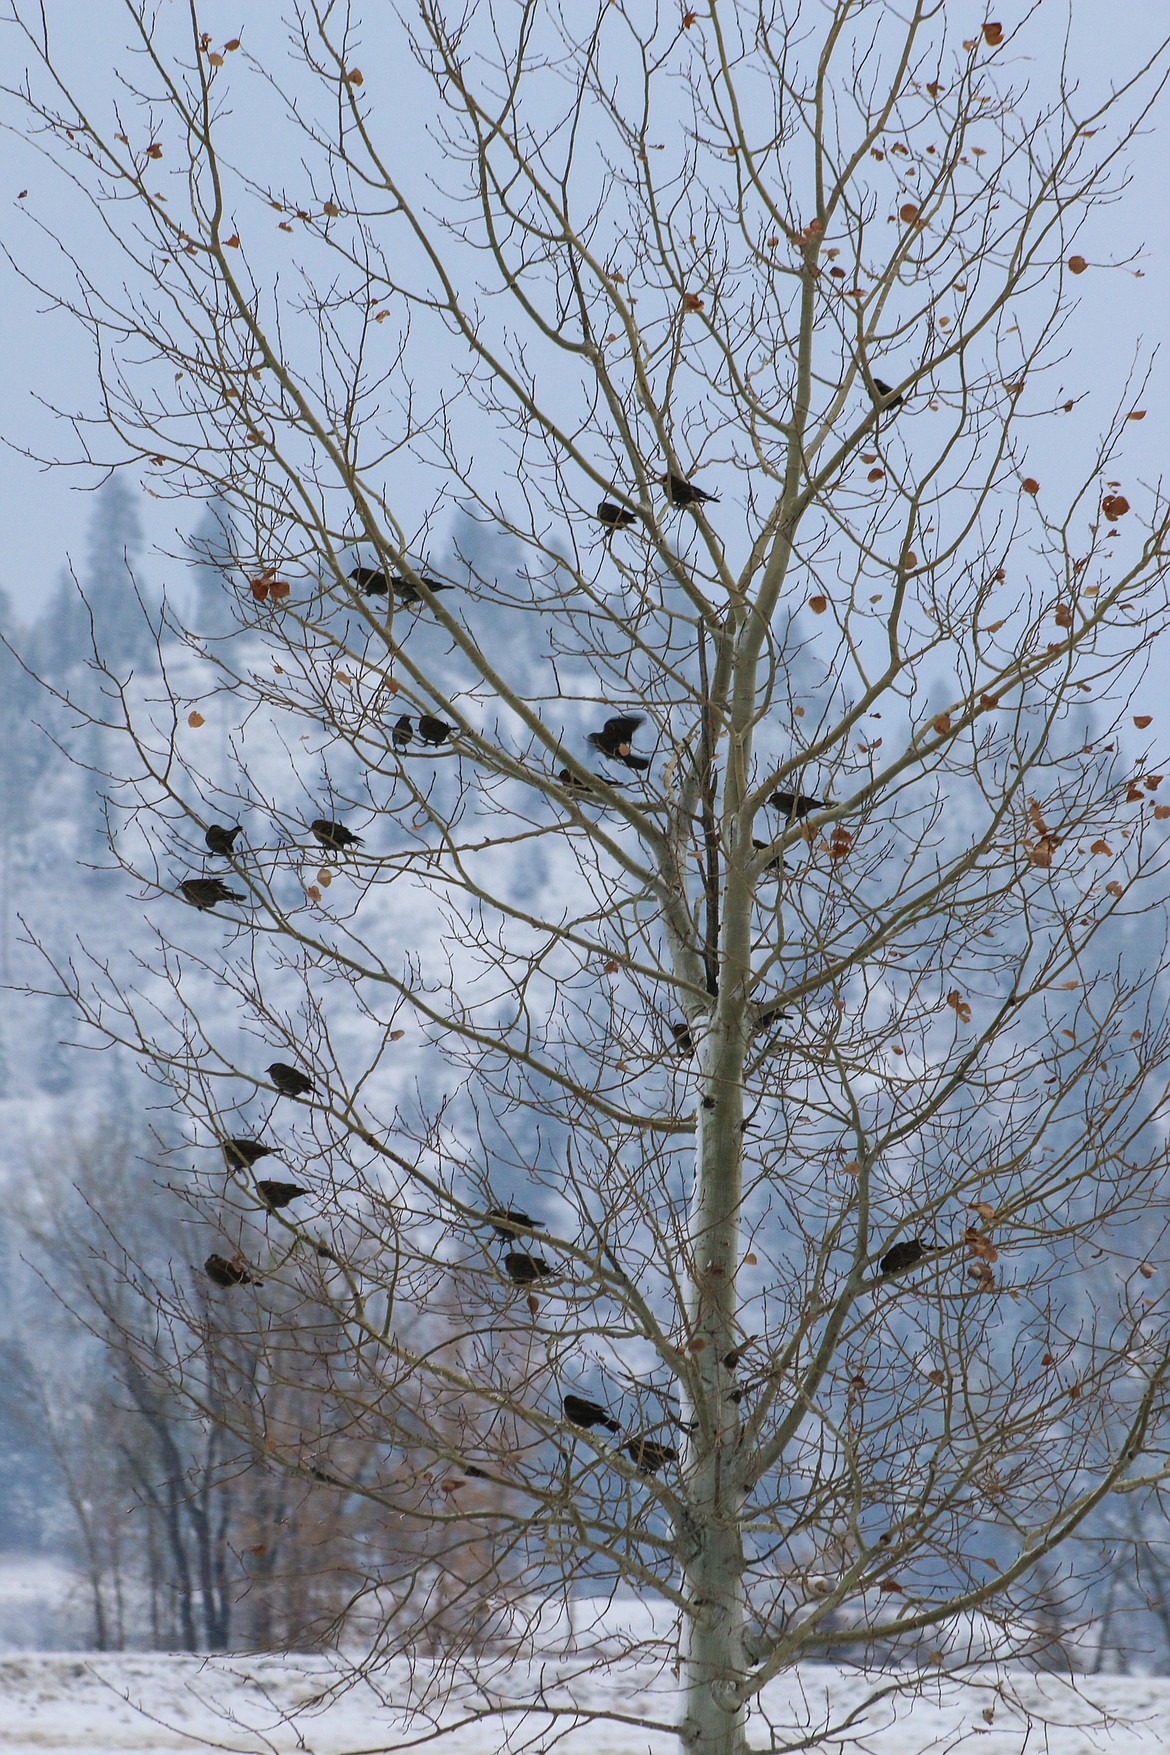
45, 356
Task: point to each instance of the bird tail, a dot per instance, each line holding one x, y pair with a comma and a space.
611, 1425
639, 763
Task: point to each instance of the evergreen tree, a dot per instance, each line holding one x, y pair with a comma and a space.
213, 548
111, 576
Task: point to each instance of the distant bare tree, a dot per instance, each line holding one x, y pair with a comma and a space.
733, 884
185, 1537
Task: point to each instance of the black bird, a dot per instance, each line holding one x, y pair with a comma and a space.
508, 1222
241, 1154
795, 805
615, 517
433, 731
372, 582
290, 1081
769, 1015
904, 1255
684, 1041
403, 732
229, 1273
208, 892
575, 785
774, 866
615, 737
219, 839
525, 1270
648, 1456
335, 836
278, 1194
579, 1411
685, 493
885, 391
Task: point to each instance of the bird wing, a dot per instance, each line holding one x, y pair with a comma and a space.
621, 728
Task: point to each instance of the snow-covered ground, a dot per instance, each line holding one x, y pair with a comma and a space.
115, 1705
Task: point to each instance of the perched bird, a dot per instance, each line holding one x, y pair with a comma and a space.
795, 805
648, 1455
208, 892
229, 1273
732, 1359
579, 1411
278, 1194
576, 785
885, 391
372, 582
614, 738
525, 1270
904, 1255
684, 1041
290, 1081
615, 517
219, 839
335, 836
433, 731
241, 1154
403, 732
685, 493
774, 866
769, 1015
508, 1222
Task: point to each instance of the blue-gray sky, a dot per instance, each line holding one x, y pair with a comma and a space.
48, 359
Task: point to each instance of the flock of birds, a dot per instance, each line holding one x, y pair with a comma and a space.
614, 742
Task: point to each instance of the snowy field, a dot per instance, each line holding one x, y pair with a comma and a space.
119, 1705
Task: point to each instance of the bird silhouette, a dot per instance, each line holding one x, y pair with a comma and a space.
508, 1222
278, 1194
575, 784
683, 1040
795, 805
208, 892
885, 391
403, 733
334, 836
648, 1455
774, 866
372, 582
525, 1270
241, 1154
615, 517
290, 1081
905, 1255
433, 731
685, 493
579, 1411
219, 838
229, 1273
615, 737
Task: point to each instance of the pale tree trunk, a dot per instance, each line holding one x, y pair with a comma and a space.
712, 1544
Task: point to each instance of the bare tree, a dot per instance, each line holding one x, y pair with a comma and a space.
809, 1044
183, 1535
